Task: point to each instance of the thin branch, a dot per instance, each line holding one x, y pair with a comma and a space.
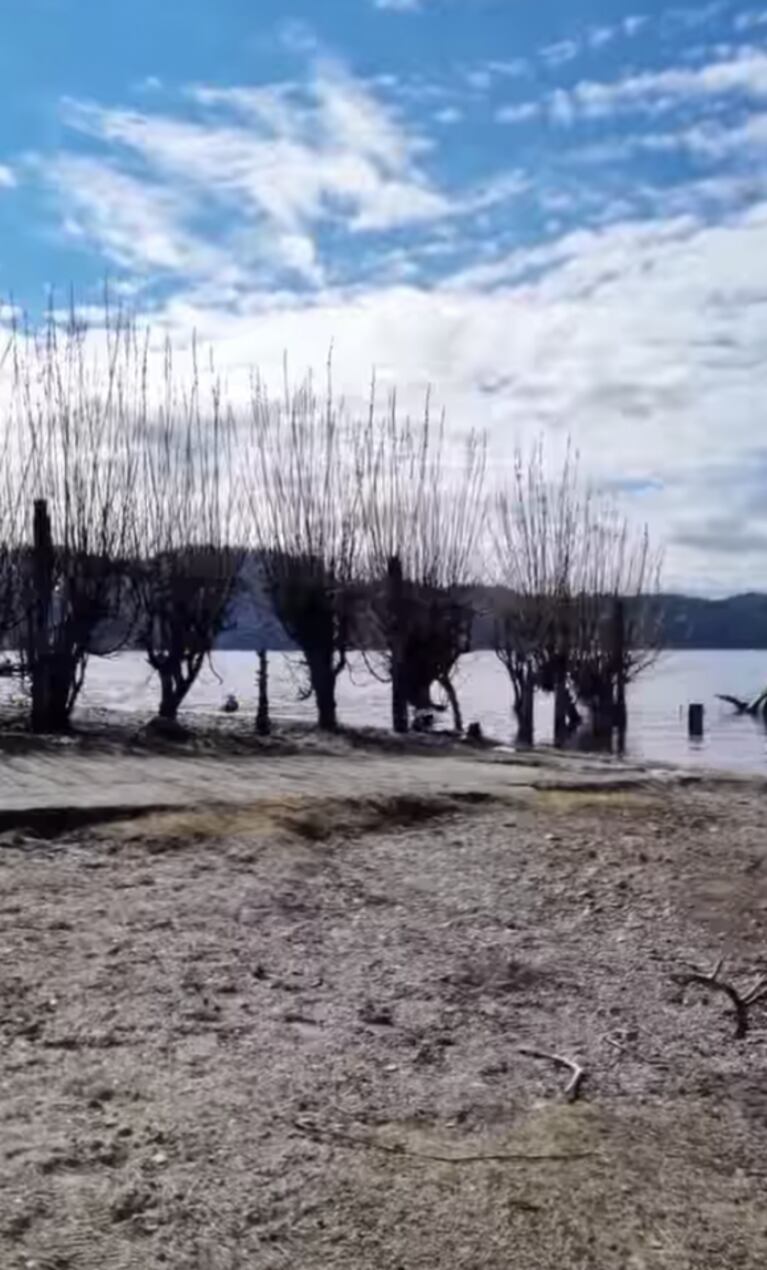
319, 1134
741, 1002
578, 1074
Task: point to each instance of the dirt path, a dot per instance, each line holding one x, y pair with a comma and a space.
288, 1035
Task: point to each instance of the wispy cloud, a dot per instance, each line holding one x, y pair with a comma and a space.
139, 225
560, 54
750, 20
397, 6
448, 115
292, 160
745, 139
272, 167
8, 178
657, 91
519, 112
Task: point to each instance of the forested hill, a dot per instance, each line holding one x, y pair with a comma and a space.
739, 621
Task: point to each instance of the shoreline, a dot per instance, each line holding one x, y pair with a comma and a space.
112, 769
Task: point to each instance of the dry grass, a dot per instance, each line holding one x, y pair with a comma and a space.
310, 818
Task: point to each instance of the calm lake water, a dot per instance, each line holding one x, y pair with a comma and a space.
657, 703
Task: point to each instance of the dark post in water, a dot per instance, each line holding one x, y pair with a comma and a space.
263, 722
695, 720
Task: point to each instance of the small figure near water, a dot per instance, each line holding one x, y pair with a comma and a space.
423, 720
231, 705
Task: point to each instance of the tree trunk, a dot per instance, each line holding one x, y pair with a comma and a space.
53, 673
602, 712
53, 693
323, 681
395, 604
524, 708
561, 711
263, 722
172, 693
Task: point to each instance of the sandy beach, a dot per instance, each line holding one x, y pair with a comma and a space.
288, 1031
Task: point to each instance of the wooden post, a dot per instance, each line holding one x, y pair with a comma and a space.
695, 717
263, 722
395, 583
39, 652
619, 664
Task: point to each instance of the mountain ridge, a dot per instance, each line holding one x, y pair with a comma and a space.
689, 622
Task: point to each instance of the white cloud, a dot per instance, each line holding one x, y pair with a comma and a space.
561, 108
559, 54
599, 36
633, 24
750, 20
479, 78
592, 40
282, 160
398, 6
522, 112
709, 140
292, 161
691, 17
139, 225
659, 90
8, 179
646, 341
515, 68
150, 84
448, 115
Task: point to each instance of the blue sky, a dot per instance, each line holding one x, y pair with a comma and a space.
554, 213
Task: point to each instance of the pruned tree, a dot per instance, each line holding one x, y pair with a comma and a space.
72, 412
535, 529
13, 480
187, 565
575, 612
303, 493
424, 503
616, 618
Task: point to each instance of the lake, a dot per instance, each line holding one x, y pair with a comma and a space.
657, 702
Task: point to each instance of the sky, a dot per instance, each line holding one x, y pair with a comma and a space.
554, 214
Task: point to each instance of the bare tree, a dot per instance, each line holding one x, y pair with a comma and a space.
574, 612
72, 412
186, 564
616, 627
423, 504
13, 480
535, 525
304, 498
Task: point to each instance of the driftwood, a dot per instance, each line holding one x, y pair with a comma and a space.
741, 1001
577, 1073
752, 708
